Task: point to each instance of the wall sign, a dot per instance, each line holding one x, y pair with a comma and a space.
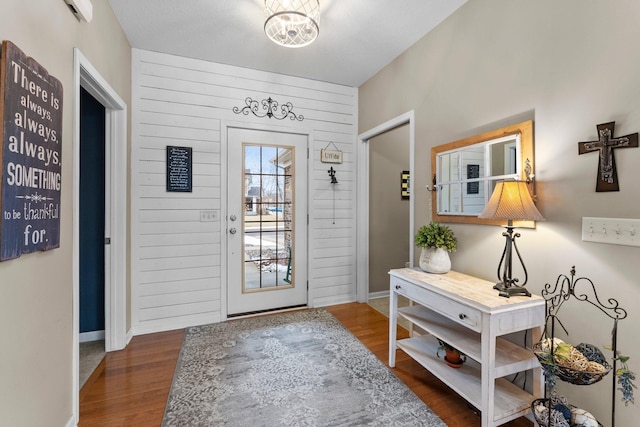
30, 166
179, 173
405, 185
330, 156
473, 171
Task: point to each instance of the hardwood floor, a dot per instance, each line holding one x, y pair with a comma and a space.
130, 387
372, 328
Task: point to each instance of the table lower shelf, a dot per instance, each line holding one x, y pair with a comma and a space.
510, 358
510, 401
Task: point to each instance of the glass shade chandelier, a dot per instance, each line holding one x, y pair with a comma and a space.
292, 23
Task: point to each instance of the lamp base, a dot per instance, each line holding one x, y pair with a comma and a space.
507, 291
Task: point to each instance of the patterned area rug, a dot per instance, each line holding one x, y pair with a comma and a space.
295, 369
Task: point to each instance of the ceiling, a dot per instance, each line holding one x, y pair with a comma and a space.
357, 37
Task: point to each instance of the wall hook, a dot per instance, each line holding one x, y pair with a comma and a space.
332, 174
435, 188
529, 179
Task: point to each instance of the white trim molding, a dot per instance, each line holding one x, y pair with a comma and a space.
363, 197
87, 77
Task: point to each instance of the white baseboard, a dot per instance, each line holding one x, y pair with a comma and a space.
379, 294
333, 300
91, 336
72, 422
129, 337
164, 325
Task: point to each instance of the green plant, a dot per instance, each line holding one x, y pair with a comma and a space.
444, 346
550, 367
436, 235
625, 377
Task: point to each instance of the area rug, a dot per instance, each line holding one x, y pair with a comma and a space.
302, 368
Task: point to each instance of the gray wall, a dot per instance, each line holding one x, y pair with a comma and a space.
388, 213
567, 65
36, 289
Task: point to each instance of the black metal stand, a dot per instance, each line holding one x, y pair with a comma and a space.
508, 285
565, 289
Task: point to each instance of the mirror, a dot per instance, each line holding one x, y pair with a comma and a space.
466, 171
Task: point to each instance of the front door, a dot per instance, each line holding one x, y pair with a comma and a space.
267, 221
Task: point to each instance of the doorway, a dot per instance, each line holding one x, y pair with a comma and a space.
388, 207
362, 286
92, 233
267, 221
115, 211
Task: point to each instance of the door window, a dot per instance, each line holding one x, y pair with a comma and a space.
268, 224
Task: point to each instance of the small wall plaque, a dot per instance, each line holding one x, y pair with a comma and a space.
405, 185
331, 156
179, 169
473, 171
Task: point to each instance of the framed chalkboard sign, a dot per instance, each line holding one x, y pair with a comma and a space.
30, 155
473, 171
179, 169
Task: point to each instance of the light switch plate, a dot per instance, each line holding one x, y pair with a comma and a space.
208, 216
615, 231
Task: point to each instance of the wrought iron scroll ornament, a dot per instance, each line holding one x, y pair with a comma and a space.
268, 108
565, 287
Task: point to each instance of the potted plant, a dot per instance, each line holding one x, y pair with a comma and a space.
454, 357
436, 241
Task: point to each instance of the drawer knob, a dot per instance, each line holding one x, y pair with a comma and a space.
462, 316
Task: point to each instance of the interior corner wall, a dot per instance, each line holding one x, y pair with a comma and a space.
36, 290
388, 212
569, 66
178, 276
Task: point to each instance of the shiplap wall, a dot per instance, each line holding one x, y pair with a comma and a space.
177, 265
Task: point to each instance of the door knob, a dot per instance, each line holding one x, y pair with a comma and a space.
233, 217
232, 230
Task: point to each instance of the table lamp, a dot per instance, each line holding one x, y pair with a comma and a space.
512, 201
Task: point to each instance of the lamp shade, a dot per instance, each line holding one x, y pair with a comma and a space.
292, 23
511, 201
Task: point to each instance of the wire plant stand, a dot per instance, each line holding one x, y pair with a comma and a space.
581, 289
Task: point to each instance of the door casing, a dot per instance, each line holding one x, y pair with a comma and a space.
89, 78
225, 126
362, 197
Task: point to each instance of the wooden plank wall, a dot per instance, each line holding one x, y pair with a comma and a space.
177, 266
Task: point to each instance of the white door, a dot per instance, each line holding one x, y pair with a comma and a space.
267, 220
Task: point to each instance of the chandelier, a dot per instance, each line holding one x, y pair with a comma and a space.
292, 23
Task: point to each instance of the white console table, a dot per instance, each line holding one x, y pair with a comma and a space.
468, 313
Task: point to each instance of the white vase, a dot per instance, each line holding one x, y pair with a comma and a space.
435, 260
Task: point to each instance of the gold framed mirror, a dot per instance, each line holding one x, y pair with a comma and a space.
466, 171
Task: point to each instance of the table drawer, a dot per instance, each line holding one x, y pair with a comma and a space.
460, 313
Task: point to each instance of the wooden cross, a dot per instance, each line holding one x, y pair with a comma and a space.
607, 176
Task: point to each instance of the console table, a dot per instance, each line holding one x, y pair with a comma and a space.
468, 313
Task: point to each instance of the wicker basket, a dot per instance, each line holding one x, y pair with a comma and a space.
569, 375
545, 423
